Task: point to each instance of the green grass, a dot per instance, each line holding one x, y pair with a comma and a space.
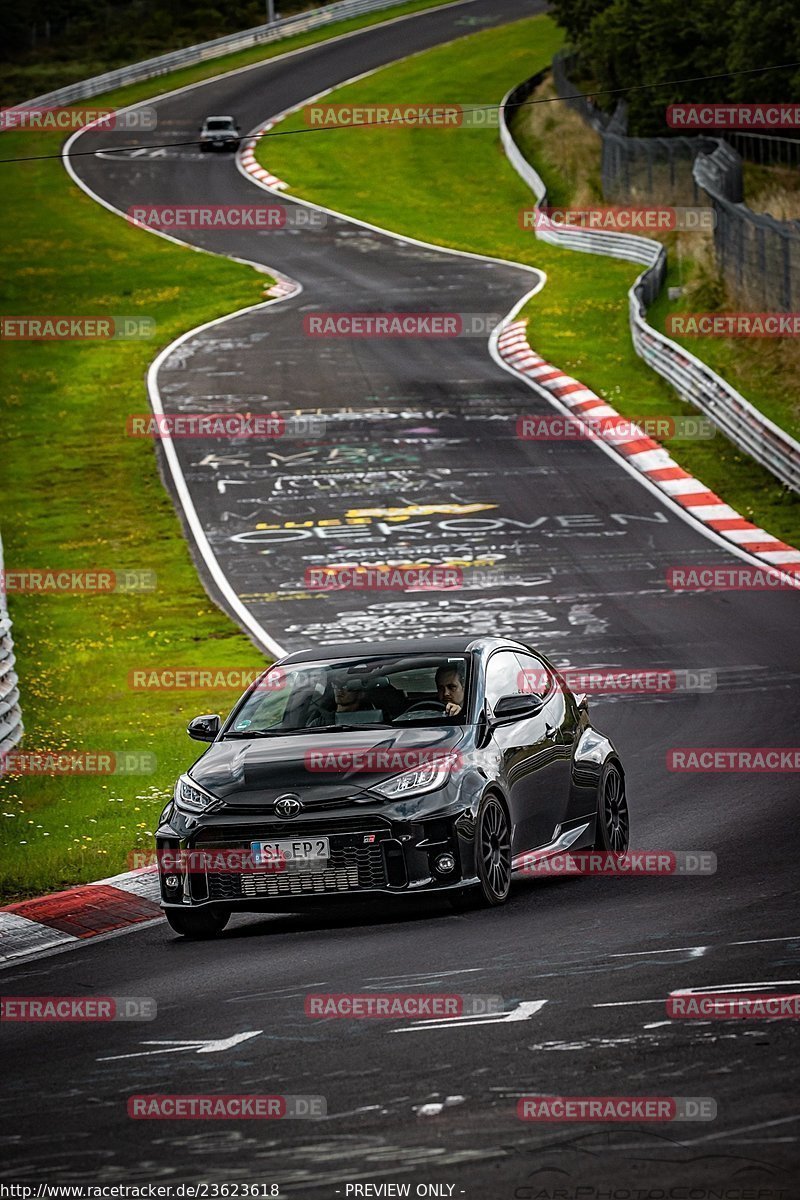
454, 187
77, 493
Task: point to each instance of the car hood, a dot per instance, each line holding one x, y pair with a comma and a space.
336, 764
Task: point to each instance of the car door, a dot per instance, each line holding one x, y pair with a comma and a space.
560, 730
534, 768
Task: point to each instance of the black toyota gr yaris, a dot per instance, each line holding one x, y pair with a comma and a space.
388, 768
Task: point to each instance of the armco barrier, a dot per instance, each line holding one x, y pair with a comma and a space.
694, 381
10, 715
189, 55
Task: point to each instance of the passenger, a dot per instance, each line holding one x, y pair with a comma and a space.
348, 696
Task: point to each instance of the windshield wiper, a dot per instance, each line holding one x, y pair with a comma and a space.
347, 728
258, 733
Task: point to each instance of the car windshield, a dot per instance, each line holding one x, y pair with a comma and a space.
376, 692
219, 123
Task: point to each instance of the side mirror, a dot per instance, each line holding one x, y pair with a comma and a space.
519, 705
582, 701
204, 729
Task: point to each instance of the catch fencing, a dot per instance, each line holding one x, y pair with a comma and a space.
10, 714
150, 68
694, 381
757, 254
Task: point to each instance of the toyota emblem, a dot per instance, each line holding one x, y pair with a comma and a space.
287, 807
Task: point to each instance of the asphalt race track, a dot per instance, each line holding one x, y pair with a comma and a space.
420, 458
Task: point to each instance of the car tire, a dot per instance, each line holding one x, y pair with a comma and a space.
612, 827
492, 853
197, 923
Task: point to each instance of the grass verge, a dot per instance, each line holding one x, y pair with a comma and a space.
453, 187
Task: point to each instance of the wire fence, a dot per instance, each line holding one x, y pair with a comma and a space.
758, 255
694, 381
150, 68
10, 714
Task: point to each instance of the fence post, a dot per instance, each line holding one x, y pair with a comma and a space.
10, 715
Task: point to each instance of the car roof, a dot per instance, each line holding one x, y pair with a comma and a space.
432, 645
217, 117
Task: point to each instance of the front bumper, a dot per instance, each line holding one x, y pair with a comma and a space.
370, 855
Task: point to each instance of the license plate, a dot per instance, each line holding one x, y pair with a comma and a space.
292, 854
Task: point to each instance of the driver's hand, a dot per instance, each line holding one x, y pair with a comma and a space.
451, 709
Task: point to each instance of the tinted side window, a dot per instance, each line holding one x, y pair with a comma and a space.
503, 676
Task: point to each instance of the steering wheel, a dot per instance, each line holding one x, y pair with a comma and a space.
427, 705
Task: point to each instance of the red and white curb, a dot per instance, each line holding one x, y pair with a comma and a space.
71, 917
282, 287
646, 455
250, 164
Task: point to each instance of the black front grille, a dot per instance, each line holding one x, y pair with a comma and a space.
354, 865
266, 828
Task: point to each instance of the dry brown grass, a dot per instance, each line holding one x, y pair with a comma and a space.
566, 149
773, 190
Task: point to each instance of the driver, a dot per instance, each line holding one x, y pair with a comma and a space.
450, 687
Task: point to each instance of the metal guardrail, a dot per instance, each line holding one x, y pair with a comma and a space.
189, 55
10, 714
694, 381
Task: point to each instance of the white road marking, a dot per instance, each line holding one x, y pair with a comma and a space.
523, 1012
695, 951
199, 1045
433, 1108
707, 988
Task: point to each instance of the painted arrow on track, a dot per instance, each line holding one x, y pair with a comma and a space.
199, 1045
523, 1012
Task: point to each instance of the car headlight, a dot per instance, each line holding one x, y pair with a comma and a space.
425, 778
190, 798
